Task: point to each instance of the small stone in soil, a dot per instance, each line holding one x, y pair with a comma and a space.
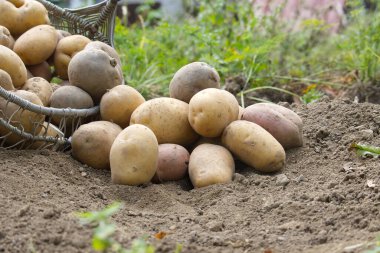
282, 180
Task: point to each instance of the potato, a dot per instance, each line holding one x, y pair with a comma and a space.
6, 80
173, 161
241, 110
51, 130
69, 97
210, 164
203, 140
20, 18
67, 47
253, 145
191, 79
25, 120
211, 110
37, 44
134, 156
95, 72
109, 50
118, 104
40, 87
6, 38
284, 124
167, 118
12, 64
41, 70
91, 143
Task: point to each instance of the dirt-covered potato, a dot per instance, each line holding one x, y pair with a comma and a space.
67, 47
37, 44
95, 72
6, 80
20, 16
210, 164
167, 117
91, 143
28, 121
211, 110
281, 122
118, 104
191, 79
6, 38
253, 145
134, 156
41, 70
40, 87
12, 64
173, 162
109, 50
69, 97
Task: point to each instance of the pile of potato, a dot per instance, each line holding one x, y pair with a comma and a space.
200, 130
32, 52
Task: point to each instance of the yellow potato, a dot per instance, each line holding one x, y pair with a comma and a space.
91, 143
253, 145
28, 121
6, 38
20, 16
36, 45
40, 87
167, 118
134, 156
12, 64
211, 110
6, 80
118, 104
210, 164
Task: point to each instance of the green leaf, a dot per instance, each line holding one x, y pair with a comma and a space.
99, 244
366, 150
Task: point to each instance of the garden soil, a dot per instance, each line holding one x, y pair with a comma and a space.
327, 199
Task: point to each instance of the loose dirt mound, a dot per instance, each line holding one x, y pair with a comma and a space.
321, 202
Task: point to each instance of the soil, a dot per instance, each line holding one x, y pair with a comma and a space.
327, 199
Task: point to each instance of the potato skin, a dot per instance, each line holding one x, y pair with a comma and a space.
211, 110
191, 79
27, 120
66, 48
20, 18
95, 72
6, 38
253, 145
41, 70
210, 164
91, 143
13, 65
40, 87
37, 44
6, 80
134, 156
281, 122
167, 117
173, 161
118, 104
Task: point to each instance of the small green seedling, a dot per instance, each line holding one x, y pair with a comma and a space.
366, 150
102, 240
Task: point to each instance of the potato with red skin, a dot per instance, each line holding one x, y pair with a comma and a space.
192, 78
173, 162
134, 156
91, 143
210, 164
281, 122
254, 146
118, 104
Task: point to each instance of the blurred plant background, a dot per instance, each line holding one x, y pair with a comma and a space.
250, 50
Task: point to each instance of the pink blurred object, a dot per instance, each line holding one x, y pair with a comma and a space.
297, 11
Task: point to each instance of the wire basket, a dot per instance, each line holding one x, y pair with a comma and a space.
24, 125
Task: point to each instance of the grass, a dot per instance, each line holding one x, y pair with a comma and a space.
228, 36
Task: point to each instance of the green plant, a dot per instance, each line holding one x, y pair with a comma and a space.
376, 247
366, 150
